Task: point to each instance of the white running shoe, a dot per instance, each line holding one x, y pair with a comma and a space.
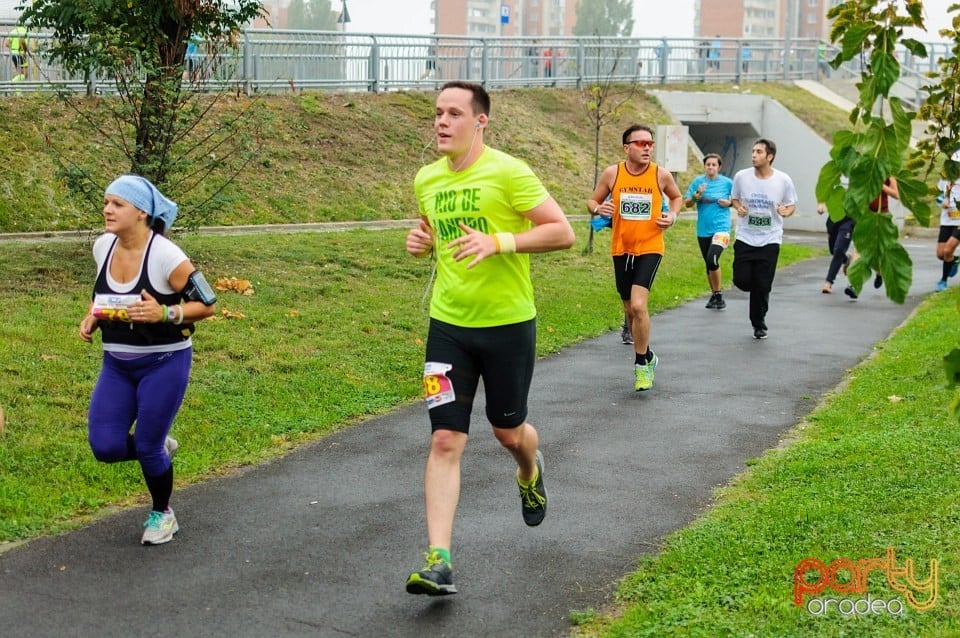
171, 446
159, 528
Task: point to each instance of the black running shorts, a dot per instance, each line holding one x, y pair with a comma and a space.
635, 270
457, 358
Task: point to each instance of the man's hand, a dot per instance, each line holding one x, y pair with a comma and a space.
605, 209
666, 220
420, 240
473, 243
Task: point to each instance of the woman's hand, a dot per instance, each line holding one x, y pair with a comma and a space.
88, 325
147, 310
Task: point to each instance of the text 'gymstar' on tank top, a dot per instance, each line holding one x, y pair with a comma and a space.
637, 204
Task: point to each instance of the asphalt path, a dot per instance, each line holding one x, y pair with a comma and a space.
319, 543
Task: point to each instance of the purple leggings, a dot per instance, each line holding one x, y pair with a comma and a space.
148, 390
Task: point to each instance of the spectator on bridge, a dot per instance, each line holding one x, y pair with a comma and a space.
431, 69
823, 66
713, 55
19, 45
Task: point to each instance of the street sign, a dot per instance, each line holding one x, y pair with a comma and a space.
504, 14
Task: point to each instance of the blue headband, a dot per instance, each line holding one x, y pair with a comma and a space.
145, 196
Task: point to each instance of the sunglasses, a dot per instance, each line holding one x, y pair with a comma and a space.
640, 143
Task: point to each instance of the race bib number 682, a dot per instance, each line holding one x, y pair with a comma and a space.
636, 206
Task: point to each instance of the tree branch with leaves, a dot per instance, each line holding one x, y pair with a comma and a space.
877, 145
140, 49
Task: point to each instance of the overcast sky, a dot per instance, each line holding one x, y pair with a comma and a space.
667, 18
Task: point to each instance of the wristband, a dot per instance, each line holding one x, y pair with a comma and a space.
179, 319
164, 314
506, 243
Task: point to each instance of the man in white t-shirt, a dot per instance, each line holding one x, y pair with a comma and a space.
762, 197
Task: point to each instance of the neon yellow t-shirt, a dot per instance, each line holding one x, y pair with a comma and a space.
489, 196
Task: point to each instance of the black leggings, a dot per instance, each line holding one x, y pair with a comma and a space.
753, 270
839, 235
711, 253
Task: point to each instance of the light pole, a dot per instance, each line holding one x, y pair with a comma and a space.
344, 17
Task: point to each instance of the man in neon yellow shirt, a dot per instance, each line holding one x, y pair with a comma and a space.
481, 213
19, 48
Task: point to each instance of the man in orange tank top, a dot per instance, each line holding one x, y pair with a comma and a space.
637, 187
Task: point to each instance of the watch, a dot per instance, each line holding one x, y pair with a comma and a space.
171, 313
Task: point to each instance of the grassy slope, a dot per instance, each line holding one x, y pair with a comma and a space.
330, 157
322, 156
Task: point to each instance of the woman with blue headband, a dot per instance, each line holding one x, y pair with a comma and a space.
146, 299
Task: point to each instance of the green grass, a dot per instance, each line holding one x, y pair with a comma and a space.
874, 467
291, 363
332, 157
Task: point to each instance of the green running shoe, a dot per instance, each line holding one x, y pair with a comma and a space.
533, 499
644, 373
435, 579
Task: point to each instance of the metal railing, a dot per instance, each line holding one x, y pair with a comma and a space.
268, 60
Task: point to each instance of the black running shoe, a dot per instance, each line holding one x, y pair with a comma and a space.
759, 333
721, 304
877, 281
534, 498
713, 302
850, 292
435, 579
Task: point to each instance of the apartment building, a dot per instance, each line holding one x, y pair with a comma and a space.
484, 17
763, 18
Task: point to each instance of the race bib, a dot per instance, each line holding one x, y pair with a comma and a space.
954, 214
113, 307
437, 385
721, 239
760, 221
636, 206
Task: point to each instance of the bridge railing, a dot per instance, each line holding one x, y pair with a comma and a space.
273, 60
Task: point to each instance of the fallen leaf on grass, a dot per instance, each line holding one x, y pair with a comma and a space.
243, 286
226, 314
894, 398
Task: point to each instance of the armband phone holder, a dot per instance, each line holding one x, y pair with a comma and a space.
197, 289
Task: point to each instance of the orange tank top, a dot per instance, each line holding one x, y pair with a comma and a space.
637, 203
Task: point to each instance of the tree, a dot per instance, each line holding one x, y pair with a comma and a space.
604, 99
315, 15
604, 17
877, 145
140, 47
